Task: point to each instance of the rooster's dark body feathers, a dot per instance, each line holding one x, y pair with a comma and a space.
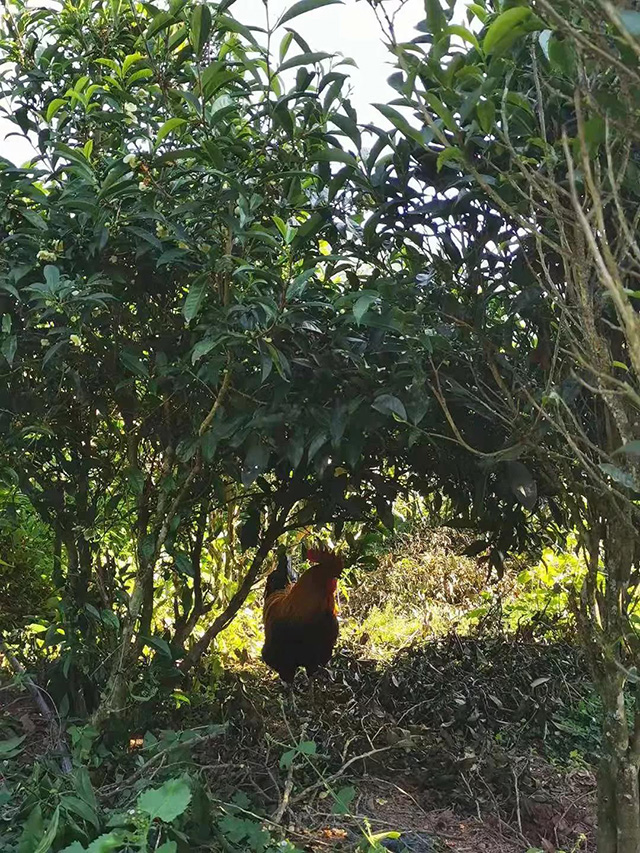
301, 626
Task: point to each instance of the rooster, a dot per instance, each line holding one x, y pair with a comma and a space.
300, 622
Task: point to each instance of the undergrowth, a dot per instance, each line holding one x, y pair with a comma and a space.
442, 685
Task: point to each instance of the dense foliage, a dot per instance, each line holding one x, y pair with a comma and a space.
233, 318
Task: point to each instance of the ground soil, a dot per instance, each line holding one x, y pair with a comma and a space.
459, 745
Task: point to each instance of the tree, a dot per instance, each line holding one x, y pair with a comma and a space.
512, 181
194, 349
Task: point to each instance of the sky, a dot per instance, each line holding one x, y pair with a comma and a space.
350, 29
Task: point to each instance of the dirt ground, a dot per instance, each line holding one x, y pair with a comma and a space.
459, 745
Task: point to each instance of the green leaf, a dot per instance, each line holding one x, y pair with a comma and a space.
387, 404
504, 29
305, 6
343, 799
106, 843
400, 122
362, 306
463, 33
167, 802
11, 746
286, 759
77, 806
335, 155
168, 126
436, 20
159, 23
316, 444
448, 154
168, 847
9, 348
202, 348
49, 837
35, 219
479, 11
160, 644
133, 363
281, 225
200, 27
195, 297
486, 113
304, 59
145, 235
441, 111
130, 60
55, 105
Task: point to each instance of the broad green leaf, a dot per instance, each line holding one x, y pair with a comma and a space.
479, 11
55, 105
436, 19
160, 644
305, 6
463, 33
486, 113
286, 759
77, 806
35, 219
106, 843
168, 126
133, 363
145, 235
195, 297
159, 23
284, 45
343, 799
447, 155
387, 404
316, 444
200, 27
11, 745
201, 349
362, 306
167, 802
50, 835
168, 846
281, 225
304, 59
335, 155
400, 122
504, 27
8, 349
442, 111
130, 60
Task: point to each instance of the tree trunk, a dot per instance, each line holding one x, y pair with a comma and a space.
628, 808
607, 823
